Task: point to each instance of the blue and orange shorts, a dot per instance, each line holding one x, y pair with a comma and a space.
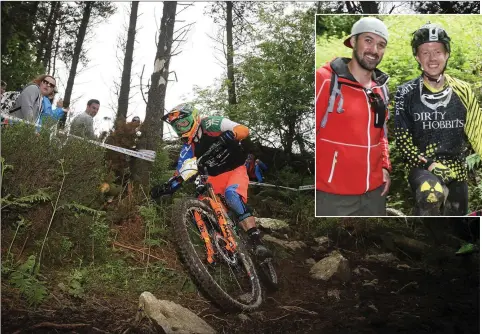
236, 178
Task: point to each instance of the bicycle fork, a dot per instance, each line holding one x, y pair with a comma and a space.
205, 236
222, 223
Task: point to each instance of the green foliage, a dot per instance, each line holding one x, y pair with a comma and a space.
25, 278
275, 92
25, 201
156, 226
78, 209
473, 161
29, 184
99, 234
335, 25
22, 223
118, 276
160, 166
75, 283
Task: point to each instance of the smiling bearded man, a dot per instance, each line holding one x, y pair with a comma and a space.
352, 167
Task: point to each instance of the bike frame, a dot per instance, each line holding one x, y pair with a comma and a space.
220, 212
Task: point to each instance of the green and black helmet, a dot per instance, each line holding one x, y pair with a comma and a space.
430, 33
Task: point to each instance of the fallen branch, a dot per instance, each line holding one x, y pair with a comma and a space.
115, 243
403, 287
298, 309
212, 315
58, 326
283, 316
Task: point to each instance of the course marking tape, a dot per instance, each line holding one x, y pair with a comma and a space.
148, 155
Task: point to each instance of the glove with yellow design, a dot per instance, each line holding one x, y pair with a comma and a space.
444, 173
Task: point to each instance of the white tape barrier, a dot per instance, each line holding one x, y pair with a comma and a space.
312, 186
141, 154
148, 155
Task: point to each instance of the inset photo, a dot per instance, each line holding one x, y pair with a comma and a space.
398, 117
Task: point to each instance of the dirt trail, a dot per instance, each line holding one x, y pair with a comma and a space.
442, 298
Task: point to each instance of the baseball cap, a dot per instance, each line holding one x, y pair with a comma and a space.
368, 24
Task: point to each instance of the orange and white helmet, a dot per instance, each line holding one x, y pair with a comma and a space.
184, 119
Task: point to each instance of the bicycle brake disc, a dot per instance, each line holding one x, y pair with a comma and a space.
225, 254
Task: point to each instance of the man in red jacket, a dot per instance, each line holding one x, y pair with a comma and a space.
352, 162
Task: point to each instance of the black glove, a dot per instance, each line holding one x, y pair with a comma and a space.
161, 190
228, 139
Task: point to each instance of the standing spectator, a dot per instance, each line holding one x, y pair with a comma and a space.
255, 168
83, 124
353, 167
29, 101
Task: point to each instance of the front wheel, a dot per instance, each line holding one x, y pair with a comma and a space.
230, 280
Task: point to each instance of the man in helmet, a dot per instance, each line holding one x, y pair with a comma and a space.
227, 172
437, 117
352, 161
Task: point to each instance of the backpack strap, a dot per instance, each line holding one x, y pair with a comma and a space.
384, 90
11, 111
334, 92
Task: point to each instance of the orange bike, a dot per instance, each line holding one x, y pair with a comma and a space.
214, 250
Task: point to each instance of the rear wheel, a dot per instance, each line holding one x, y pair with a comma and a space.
267, 275
231, 280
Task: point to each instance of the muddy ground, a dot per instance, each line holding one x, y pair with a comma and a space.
409, 296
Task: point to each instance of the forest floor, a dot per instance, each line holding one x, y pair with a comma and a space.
406, 296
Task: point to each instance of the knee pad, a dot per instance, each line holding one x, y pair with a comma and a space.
236, 203
430, 193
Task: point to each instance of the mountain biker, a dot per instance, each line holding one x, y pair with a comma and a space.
353, 167
226, 169
437, 117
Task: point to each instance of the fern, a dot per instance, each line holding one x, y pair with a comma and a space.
25, 202
473, 161
79, 208
5, 167
24, 278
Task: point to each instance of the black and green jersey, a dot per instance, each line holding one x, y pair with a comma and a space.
223, 160
438, 125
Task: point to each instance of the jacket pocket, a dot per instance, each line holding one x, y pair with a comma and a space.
333, 165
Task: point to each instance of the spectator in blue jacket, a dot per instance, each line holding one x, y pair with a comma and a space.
255, 168
48, 111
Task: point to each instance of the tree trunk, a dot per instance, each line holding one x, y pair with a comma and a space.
123, 103
289, 139
75, 58
50, 39
56, 51
43, 38
152, 127
369, 7
230, 53
351, 9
